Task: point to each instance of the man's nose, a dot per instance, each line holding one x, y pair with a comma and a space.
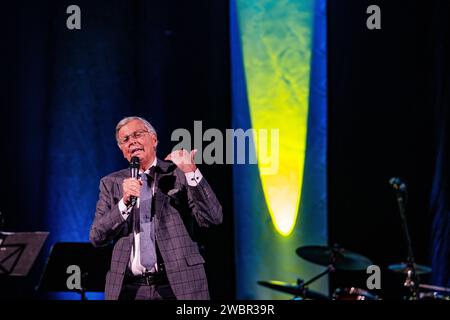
131, 142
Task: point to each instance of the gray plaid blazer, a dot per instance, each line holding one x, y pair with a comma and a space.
178, 207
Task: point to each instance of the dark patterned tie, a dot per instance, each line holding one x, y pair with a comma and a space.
147, 228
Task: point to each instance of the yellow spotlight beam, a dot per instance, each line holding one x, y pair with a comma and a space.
276, 43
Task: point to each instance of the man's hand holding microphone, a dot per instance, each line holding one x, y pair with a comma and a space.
132, 186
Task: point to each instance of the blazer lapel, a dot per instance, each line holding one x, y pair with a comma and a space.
163, 168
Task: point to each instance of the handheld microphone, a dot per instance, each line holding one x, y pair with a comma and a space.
397, 184
134, 171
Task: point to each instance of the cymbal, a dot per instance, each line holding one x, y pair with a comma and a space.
339, 258
403, 268
434, 288
294, 289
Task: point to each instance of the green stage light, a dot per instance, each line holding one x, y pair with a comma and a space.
276, 38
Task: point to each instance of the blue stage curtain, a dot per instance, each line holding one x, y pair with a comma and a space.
63, 91
440, 197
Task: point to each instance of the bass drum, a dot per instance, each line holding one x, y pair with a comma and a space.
353, 294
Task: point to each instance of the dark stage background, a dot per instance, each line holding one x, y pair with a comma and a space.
62, 92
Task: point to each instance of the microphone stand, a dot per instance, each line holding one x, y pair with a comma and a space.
412, 279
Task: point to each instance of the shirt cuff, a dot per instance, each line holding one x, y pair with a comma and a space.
124, 210
193, 178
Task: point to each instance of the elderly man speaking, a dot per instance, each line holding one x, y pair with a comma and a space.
150, 219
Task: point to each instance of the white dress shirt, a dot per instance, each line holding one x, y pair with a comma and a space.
193, 179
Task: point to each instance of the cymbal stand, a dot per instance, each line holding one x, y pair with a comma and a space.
329, 269
302, 286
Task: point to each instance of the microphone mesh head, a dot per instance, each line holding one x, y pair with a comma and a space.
134, 162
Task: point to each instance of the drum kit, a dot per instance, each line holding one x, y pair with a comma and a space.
340, 259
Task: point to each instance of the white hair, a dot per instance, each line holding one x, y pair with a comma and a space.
125, 120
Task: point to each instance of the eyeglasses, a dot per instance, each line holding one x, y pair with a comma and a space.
135, 135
